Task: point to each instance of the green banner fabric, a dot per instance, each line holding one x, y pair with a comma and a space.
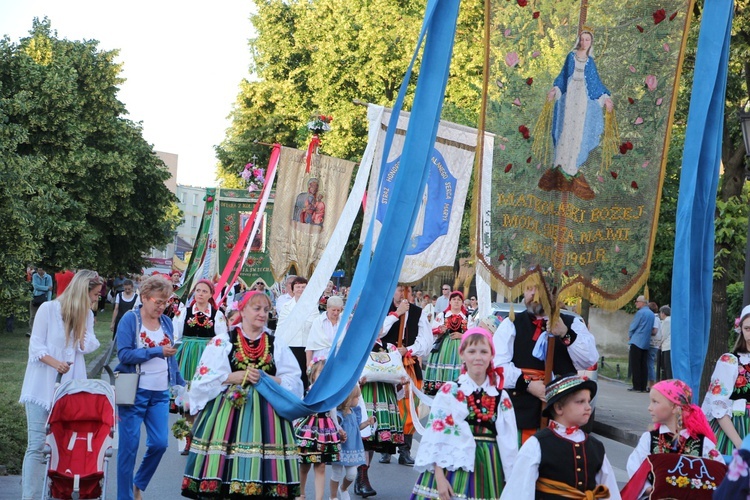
580, 95
235, 206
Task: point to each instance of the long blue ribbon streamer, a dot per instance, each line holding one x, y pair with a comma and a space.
692, 277
378, 278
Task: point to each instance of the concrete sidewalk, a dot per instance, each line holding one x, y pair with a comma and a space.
621, 415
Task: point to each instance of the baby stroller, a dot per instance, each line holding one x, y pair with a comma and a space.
80, 429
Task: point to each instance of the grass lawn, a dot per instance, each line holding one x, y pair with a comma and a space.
609, 368
14, 349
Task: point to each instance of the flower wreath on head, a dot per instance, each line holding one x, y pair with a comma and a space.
255, 177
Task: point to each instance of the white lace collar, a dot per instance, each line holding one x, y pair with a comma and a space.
470, 386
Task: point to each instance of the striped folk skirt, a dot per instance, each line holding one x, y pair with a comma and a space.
741, 422
442, 366
381, 401
318, 439
189, 355
484, 483
242, 453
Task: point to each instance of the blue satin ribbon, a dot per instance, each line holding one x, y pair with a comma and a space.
375, 279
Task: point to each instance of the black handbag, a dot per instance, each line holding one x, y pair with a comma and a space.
38, 300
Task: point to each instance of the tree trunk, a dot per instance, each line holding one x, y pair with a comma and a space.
730, 185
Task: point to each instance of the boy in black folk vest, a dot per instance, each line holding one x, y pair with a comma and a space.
562, 461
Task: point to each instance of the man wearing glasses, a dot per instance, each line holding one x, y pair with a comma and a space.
441, 304
639, 339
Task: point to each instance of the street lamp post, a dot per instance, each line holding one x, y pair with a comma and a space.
745, 123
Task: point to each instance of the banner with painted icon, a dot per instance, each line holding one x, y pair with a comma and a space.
580, 95
434, 239
307, 207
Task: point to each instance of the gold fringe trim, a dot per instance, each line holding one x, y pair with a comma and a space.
611, 141
575, 288
542, 147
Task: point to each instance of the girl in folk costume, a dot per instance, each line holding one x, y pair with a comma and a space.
679, 428
562, 461
236, 419
318, 441
381, 402
444, 364
349, 417
726, 403
453, 465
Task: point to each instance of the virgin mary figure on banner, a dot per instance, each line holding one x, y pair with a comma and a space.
578, 120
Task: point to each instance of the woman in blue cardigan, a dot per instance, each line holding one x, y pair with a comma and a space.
145, 343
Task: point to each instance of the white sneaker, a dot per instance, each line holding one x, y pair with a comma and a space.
344, 494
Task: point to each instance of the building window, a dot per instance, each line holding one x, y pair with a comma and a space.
195, 198
195, 221
182, 197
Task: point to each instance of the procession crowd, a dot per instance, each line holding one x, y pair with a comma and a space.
495, 429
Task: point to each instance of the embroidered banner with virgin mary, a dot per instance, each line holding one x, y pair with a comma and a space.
580, 94
306, 209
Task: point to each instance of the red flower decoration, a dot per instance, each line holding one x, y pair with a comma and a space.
634, 185
524, 130
623, 149
227, 228
230, 245
523, 3
528, 160
449, 420
508, 167
659, 16
445, 388
203, 370
740, 382
624, 271
501, 257
674, 14
250, 262
629, 145
639, 28
460, 396
529, 81
507, 403
631, 100
438, 425
535, 15
566, 273
613, 174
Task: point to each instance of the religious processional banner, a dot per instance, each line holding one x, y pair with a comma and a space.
434, 239
307, 207
224, 217
580, 94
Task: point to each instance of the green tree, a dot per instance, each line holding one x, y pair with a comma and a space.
91, 189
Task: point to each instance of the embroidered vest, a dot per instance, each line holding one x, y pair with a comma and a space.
575, 464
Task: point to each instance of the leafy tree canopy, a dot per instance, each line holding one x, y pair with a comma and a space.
85, 189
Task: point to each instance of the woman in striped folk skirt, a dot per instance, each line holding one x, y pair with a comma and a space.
241, 447
444, 364
726, 403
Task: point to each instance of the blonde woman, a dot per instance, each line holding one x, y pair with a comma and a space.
63, 332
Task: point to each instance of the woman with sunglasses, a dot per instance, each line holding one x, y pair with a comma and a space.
145, 344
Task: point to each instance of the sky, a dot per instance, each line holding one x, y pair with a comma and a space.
182, 61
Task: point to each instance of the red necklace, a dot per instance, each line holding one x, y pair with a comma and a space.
150, 343
455, 323
200, 319
482, 405
258, 356
669, 448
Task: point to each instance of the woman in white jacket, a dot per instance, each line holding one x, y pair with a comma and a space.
63, 332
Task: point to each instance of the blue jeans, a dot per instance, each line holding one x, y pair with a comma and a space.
151, 409
33, 461
652, 353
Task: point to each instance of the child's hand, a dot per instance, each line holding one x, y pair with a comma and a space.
342, 435
444, 489
456, 335
372, 420
363, 381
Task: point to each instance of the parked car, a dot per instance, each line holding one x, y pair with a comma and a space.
502, 310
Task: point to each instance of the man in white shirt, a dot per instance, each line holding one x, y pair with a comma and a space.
296, 340
286, 296
417, 342
441, 304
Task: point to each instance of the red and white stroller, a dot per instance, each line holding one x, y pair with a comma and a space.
80, 430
